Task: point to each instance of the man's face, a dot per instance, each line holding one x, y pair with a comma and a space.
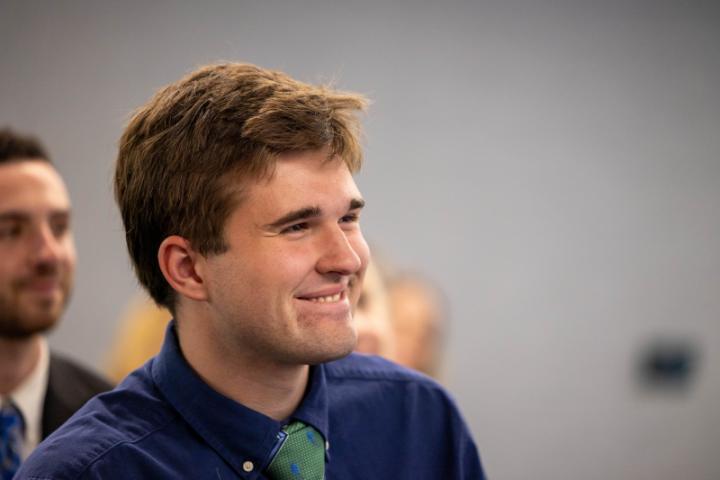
285, 289
37, 254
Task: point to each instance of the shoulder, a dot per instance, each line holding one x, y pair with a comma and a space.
76, 377
362, 367
105, 427
69, 386
362, 378
389, 411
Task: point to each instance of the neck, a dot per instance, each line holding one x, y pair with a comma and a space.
18, 358
271, 389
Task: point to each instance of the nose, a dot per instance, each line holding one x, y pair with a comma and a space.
338, 254
45, 246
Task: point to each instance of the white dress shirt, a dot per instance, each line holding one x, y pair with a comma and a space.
29, 396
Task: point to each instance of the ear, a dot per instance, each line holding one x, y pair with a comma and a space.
179, 264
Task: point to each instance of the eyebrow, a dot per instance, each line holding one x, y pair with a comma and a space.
309, 212
356, 203
17, 216
12, 216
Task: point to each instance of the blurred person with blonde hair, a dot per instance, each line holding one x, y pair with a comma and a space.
138, 338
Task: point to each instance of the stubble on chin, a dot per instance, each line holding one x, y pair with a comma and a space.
19, 321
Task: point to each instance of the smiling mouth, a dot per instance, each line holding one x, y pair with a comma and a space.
325, 298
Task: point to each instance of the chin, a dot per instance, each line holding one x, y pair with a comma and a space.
335, 350
27, 329
330, 355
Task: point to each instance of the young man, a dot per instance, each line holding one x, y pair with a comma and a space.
38, 390
242, 217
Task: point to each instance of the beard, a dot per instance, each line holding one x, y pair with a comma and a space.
22, 315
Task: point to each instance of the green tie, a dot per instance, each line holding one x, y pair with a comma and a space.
301, 456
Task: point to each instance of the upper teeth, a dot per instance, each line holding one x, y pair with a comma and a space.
328, 298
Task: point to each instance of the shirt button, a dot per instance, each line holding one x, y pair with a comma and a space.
248, 466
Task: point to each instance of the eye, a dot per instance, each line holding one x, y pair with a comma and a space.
10, 231
60, 226
350, 218
295, 228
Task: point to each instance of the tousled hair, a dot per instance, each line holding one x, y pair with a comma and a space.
186, 154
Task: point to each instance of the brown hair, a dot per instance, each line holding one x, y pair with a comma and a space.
16, 147
186, 153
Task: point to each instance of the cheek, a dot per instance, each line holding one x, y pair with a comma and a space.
287, 266
11, 268
69, 253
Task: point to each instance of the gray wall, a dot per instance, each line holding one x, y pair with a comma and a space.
554, 165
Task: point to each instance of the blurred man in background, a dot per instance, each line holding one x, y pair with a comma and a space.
38, 390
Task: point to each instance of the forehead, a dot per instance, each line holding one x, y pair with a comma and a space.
31, 185
307, 179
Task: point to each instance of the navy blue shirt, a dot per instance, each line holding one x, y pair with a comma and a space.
379, 420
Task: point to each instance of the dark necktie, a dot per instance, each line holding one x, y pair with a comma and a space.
11, 439
301, 456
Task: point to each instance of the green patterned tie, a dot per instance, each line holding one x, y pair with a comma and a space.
301, 456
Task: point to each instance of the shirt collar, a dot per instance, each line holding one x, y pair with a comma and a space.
236, 432
29, 396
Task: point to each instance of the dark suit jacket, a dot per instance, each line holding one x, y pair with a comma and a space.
69, 387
